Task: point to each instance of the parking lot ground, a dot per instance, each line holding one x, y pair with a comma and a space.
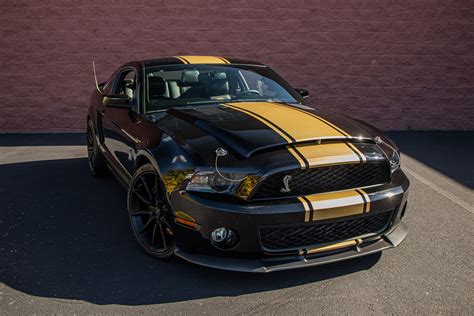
66, 245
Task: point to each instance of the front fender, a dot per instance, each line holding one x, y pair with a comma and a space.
170, 160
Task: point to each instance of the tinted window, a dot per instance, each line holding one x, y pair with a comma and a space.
182, 85
126, 83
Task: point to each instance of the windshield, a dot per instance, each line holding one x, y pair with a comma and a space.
181, 85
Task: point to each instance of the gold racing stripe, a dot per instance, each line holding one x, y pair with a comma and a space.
343, 244
306, 209
264, 121
327, 154
366, 199
298, 157
298, 124
335, 204
357, 151
182, 59
203, 60
293, 125
317, 117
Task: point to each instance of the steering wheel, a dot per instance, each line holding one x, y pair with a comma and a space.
248, 92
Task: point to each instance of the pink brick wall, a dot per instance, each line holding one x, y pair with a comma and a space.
401, 64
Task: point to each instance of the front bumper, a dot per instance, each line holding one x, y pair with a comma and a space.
269, 264
251, 255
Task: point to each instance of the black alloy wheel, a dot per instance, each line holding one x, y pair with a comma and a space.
150, 214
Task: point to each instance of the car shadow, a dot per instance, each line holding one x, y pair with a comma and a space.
66, 235
42, 139
450, 153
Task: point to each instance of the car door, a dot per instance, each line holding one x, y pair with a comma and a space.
116, 122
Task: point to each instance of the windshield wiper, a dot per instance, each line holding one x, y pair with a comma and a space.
183, 105
222, 101
156, 111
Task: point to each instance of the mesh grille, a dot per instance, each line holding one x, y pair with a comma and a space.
308, 235
324, 179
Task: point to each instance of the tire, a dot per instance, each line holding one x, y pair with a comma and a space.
149, 213
96, 161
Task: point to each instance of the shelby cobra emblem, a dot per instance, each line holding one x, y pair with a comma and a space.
228, 166
286, 184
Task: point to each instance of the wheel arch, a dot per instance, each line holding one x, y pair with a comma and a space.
169, 160
144, 157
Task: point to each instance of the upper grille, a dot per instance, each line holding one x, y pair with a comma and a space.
285, 238
323, 179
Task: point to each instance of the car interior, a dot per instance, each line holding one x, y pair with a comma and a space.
186, 86
127, 84
191, 85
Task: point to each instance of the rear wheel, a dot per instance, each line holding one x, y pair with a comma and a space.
96, 161
150, 214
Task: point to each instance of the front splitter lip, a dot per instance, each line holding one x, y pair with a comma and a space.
265, 265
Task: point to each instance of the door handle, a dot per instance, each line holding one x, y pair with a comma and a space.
102, 112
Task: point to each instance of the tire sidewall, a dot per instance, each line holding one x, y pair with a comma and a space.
146, 168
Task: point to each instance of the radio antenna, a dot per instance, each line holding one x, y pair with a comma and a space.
95, 78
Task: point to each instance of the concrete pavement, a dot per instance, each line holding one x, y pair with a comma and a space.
66, 245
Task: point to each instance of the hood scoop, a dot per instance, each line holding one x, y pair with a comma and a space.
239, 132
233, 130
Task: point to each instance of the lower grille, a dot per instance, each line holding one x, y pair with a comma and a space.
285, 238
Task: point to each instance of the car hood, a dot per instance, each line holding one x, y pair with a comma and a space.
247, 128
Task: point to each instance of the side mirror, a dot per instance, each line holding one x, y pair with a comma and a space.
303, 92
119, 101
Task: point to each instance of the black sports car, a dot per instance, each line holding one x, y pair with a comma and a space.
227, 166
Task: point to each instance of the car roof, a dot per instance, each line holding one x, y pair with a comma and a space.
194, 59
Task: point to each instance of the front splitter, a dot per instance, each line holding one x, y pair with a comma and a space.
264, 265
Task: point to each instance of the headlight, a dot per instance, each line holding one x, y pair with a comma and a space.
211, 182
391, 150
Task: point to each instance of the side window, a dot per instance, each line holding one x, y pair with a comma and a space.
126, 84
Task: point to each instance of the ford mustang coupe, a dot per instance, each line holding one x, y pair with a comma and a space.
227, 166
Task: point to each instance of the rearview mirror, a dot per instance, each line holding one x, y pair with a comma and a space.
303, 92
119, 101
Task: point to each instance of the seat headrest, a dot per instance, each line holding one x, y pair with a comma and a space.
156, 86
190, 78
218, 85
129, 83
218, 75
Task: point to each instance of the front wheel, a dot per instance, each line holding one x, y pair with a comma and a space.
150, 214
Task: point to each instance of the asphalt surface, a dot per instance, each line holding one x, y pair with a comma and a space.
66, 246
